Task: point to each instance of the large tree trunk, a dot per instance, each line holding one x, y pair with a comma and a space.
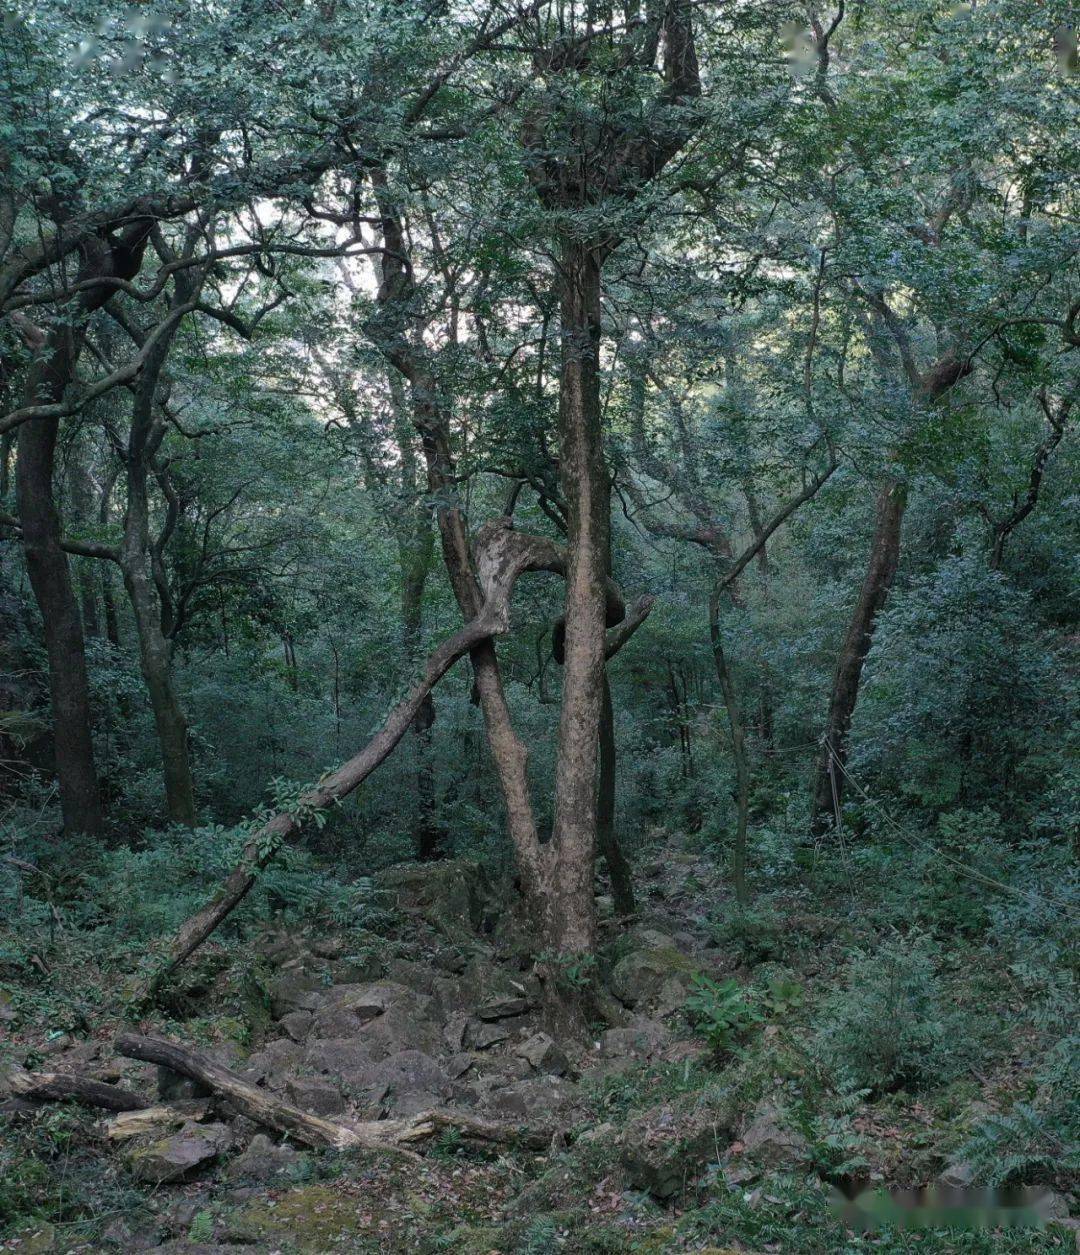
50, 578
570, 923
738, 752
880, 573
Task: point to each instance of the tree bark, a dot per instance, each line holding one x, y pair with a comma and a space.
60, 1087
880, 573
571, 923
50, 578
738, 752
622, 882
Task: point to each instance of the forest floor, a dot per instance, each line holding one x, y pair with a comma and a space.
697, 1116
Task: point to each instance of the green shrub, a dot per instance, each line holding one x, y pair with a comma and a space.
890, 1027
721, 1011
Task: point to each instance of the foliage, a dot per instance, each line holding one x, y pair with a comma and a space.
720, 1011
891, 1025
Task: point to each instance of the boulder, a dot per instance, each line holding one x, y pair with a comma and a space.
294, 988
484, 1036
263, 1162
543, 1054
645, 977
957, 1176
347, 1058
315, 1094
408, 1082
179, 1156
503, 1008
450, 894
770, 1140
297, 1024
454, 1031
274, 1063
535, 1099
642, 1040
666, 1149
400, 1029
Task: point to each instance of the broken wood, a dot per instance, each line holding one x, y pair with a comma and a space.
155, 1120
315, 1131
62, 1087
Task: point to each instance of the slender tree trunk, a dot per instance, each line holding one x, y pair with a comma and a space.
571, 926
50, 578
170, 722
108, 600
416, 558
880, 573
155, 651
622, 884
83, 502
738, 752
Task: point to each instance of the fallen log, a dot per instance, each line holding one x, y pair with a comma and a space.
62, 1087
315, 1131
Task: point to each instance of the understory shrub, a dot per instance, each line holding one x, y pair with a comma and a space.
890, 1025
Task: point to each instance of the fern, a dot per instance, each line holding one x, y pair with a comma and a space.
1021, 1145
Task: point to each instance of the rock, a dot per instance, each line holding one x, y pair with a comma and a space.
179, 1156
957, 1176
1052, 1206
602, 1133
641, 976
770, 1140
642, 1040
542, 1053
602, 1069
665, 1149
314, 1094
311, 1218
651, 939
450, 894
274, 1063
293, 989
389, 1016
263, 1161
328, 947
347, 1058
484, 1036
533, 1099
454, 1031
503, 1008
409, 1082
297, 1024
460, 1063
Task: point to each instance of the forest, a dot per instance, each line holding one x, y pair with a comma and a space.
539, 673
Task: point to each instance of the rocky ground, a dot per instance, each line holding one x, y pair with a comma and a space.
635, 1136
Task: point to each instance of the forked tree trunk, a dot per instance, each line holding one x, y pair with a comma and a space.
50, 578
880, 573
